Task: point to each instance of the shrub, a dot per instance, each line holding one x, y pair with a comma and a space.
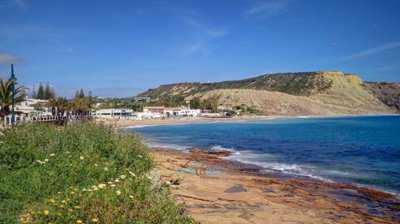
84, 172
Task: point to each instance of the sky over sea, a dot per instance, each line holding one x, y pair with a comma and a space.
120, 48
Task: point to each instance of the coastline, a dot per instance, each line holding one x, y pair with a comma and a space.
234, 192
122, 123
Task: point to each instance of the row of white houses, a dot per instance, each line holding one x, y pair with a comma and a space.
148, 113
29, 111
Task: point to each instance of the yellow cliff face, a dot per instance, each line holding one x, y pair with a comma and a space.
346, 95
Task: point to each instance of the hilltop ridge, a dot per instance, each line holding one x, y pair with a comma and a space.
301, 93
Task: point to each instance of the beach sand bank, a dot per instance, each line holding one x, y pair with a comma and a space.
217, 190
181, 120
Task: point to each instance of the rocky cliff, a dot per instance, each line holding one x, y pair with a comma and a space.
306, 93
388, 93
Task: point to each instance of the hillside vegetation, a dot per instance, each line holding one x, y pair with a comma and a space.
304, 83
306, 93
81, 173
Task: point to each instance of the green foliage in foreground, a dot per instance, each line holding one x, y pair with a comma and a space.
82, 173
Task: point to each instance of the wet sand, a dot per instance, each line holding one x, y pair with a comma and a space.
216, 190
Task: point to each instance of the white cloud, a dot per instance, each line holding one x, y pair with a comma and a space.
197, 47
375, 50
268, 8
23, 4
7, 59
206, 35
212, 32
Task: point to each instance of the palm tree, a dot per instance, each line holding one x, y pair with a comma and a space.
6, 96
54, 106
63, 105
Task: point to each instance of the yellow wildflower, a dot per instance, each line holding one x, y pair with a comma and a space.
63, 201
52, 201
79, 221
77, 206
46, 212
95, 220
70, 210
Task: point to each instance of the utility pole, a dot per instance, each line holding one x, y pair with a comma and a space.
13, 80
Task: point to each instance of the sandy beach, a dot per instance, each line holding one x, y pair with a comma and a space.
177, 120
216, 190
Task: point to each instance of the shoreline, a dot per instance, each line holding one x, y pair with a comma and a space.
340, 202
191, 120
184, 149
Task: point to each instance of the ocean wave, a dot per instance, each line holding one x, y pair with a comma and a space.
167, 146
140, 126
290, 169
219, 147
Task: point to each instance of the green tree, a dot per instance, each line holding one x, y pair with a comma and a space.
195, 103
48, 92
81, 94
6, 96
211, 103
40, 92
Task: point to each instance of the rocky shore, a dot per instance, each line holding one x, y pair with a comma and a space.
216, 190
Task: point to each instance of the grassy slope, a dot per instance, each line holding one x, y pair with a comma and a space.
83, 172
300, 84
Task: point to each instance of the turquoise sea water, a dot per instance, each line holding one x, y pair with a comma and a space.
357, 150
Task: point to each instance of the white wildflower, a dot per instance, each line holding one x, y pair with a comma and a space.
148, 177
140, 156
51, 155
123, 176
102, 186
131, 196
113, 185
109, 182
118, 192
131, 173
106, 168
46, 160
81, 157
41, 162
116, 180
95, 164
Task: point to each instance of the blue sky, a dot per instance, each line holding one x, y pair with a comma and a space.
120, 48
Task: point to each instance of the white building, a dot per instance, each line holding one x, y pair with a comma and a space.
172, 111
27, 106
114, 113
189, 112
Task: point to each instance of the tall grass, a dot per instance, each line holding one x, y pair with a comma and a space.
82, 173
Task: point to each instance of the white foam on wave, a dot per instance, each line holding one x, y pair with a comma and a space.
140, 126
219, 147
269, 167
167, 146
